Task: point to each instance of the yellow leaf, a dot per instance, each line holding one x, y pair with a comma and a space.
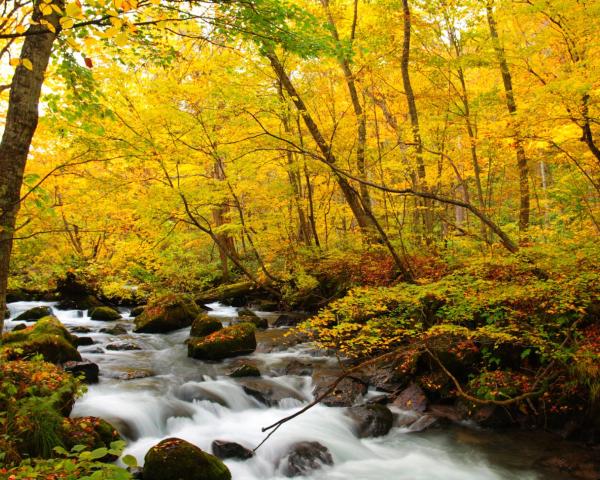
111, 32
121, 39
27, 64
57, 9
48, 25
73, 10
15, 62
66, 22
155, 2
45, 9
20, 29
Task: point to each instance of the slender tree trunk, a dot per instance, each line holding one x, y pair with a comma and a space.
511, 105
220, 218
20, 125
414, 120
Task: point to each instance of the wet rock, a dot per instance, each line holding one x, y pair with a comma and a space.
247, 315
132, 374
34, 314
137, 473
488, 416
123, 346
345, 394
80, 329
422, 423
167, 314
288, 320
268, 392
245, 370
299, 368
305, 457
276, 340
137, 311
577, 465
7, 313
105, 314
115, 330
446, 412
229, 342
47, 337
204, 325
83, 302
88, 369
190, 392
387, 377
371, 420
174, 459
411, 398
265, 305
225, 450
19, 326
84, 341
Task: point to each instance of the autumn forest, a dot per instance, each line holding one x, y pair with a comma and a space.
406, 189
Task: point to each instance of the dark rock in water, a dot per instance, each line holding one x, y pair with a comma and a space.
89, 370
258, 322
265, 305
190, 392
132, 374
288, 320
47, 337
580, 465
34, 314
202, 306
296, 367
137, 311
304, 457
371, 420
120, 346
277, 340
114, 330
7, 313
245, 370
71, 286
224, 450
268, 392
489, 416
204, 325
422, 423
84, 302
19, 326
229, 342
386, 377
446, 412
167, 314
382, 399
18, 295
94, 350
105, 314
411, 398
80, 329
84, 341
137, 473
176, 459
345, 394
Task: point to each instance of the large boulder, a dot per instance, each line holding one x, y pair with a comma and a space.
231, 341
137, 311
106, 314
245, 370
267, 391
247, 315
372, 420
204, 325
304, 457
176, 459
83, 302
345, 394
88, 370
167, 314
34, 314
47, 337
411, 398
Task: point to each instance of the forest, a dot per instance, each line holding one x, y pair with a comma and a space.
299, 238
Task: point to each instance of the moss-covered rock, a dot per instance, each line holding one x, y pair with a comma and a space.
231, 341
104, 313
137, 311
79, 302
245, 370
204, 325
93, 432
34, 314
167, 314
176, 459
48, 337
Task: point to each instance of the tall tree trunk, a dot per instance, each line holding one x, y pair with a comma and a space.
365, 221
511, 105
220, 218
21, 123
414, 120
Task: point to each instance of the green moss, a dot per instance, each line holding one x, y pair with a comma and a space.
231, 341
104, 313
245, 370
48, 337
166, 314
174, 459
204, 325
35, 313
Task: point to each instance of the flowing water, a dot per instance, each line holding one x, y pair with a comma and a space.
158, 392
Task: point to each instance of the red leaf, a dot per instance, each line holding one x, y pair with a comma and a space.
88, 62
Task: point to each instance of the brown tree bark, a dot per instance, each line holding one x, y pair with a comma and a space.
21, 123
511, 105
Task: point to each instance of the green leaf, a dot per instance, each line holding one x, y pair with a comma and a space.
130, 461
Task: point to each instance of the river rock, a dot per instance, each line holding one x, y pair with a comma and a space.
19, 326
411, 398
84, 341
229, 342
176, 459
245, 370
123, 346
204, 325
89, 370
345, 394
167, 314
83, 302
304, 457
288, 320
371, 420
300, 368
34, 314
247, 315
105, 314
225, 450
115, 330
80, 329
137, 311
47, 337
581, 465
268, 392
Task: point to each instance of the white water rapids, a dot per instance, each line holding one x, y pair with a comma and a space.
197, 401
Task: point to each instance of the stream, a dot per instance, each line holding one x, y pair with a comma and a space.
158, 392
